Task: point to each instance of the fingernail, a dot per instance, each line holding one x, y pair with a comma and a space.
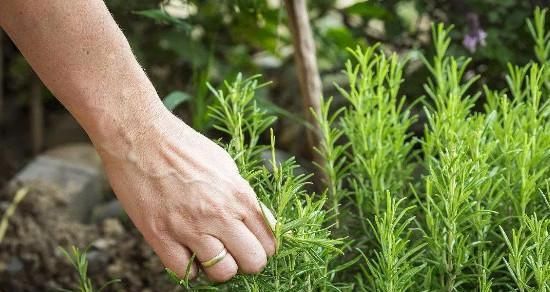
268, 215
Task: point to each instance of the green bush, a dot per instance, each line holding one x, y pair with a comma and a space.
477, 216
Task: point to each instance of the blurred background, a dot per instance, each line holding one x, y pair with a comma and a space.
182, 45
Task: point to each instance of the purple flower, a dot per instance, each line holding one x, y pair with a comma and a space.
476, 35
473, 39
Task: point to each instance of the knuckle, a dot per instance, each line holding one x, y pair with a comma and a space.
217, 206
175, 223
209, 209
156, 230
223, 215
247, 199
173, 220
244, 186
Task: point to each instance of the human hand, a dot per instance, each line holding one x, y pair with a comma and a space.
185, 195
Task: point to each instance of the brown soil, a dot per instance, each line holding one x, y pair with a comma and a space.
31, 260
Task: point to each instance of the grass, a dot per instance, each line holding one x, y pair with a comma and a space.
79, 261
4, 222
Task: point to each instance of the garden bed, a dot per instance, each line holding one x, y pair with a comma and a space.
31, 258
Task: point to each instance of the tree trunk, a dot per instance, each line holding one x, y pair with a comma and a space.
307, 71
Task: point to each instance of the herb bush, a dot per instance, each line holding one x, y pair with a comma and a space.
466, 207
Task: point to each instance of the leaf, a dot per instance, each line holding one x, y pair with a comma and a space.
367, 9
341, 37
163, 17
174, 99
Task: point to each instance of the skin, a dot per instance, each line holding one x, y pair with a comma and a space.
182, 191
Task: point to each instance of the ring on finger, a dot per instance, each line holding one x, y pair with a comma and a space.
216, 259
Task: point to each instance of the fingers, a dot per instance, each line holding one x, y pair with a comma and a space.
255, 221
207, 247
244, 246
175, 257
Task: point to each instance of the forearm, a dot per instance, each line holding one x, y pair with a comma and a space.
84, 59
183, 192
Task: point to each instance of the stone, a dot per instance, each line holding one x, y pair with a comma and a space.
103, 243
111, 209
14, 266
113, 227
97, 260
71, 173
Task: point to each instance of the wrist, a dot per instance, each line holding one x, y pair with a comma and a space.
119, 129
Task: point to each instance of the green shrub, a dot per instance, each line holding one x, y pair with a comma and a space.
485, 174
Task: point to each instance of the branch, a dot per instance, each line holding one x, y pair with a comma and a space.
307, 71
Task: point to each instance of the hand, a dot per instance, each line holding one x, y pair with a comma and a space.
185, 195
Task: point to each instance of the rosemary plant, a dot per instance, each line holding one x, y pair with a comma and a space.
393, 267
305, 247
336, 166
522, 132
376, 126
540, 35
369, 157
484, 171
457, 188
528, 259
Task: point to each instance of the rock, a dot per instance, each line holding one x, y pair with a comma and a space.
97, 260
71, 173
111, 209
113, 227
14, 265
103, 243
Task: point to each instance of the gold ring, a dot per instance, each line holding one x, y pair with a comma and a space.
216, 259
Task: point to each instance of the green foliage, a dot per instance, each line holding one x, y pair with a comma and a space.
79, 261
483, 172
368, 9
237, 115
335, 166
457, 188
540, 35
528, 259
523, 155
376, 126
392, 268
174, 99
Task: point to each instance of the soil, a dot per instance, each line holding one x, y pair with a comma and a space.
31, 259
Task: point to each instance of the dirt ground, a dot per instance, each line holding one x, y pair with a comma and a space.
31, 259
